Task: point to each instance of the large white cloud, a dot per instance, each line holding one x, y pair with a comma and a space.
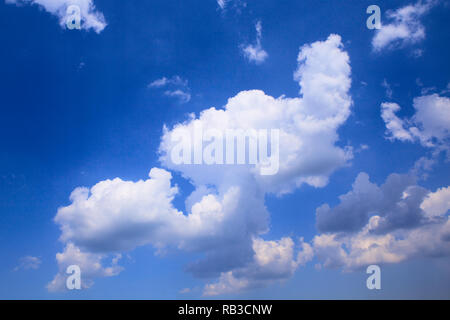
90, 17
404, 28
225, 216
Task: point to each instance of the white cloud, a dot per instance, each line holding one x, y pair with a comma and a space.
405, 26
430, 125
254, 52
179, 87
184, 97
272, 261
388, 224
226, 215
354, 251
388, 88
90, 265
437, 203
90, 17
185, 291
397, 202
308, 125
395, 125
162, 82
28, 262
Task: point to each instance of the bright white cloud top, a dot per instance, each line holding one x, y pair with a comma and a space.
222, 3
254, 52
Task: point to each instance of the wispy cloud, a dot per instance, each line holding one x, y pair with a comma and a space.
429, 125
224, 217
254, 52
388, 88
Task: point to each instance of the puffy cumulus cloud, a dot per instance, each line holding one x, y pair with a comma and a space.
90, 17
387, 224
430, 125
225, 216
308, 126
236, 5
254, 52
272, 261
404, 28
354, 251
90, 265
28, 262
226, 284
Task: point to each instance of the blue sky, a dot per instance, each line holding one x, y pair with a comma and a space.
81, 107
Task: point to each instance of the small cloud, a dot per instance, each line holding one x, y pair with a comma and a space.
387, 86
361, 148
90, 17
28, 262
446, 90
429, 124
236, 5
158, 83
183, 97
254, 52
222, 3
405, 27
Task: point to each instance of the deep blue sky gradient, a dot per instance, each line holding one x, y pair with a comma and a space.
75, 109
